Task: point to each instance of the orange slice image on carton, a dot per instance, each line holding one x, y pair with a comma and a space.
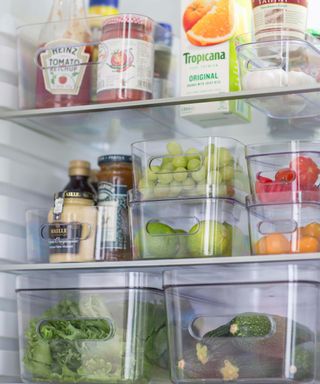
209, 22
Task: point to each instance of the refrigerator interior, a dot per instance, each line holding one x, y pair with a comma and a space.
34, 153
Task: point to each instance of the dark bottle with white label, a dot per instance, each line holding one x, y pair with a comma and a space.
115, 179
64, 57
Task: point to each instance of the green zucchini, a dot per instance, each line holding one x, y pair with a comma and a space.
258, 333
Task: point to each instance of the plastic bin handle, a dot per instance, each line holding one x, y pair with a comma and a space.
285, 226
73, 329
195, 221
61, 231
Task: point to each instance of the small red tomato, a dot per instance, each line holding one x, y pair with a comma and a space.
263, 179
286, 175
307, 171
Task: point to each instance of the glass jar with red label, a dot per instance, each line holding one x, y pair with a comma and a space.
126, 59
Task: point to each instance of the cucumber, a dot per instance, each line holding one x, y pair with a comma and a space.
258, 333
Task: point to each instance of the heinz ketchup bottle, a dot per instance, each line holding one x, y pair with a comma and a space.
63, 73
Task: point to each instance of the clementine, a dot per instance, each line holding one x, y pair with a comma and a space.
312, 229
215, 26
272, 244
196, 10
306, 244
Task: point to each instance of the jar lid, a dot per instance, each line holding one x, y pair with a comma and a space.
79, 168
106, 3
107, 159
128, 18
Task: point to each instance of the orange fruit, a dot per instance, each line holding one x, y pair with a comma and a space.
196, 10
216, 26
272, 244
312, 229
306, 244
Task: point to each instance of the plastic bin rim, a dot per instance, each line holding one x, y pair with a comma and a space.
135, 143
308, 40
279, 144
134, 200
25, 26
251, 202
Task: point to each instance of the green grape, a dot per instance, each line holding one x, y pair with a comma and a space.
210, 165
174, 148
152, 173
175, 188
179, 161
220, 190
194, 165
200, 175
180, 174
188, 186
215, 178
145, 184
224, 157
202, 189
165, 161
169, 167
209, 149
165, 178
193, 154
161, 191
227, 173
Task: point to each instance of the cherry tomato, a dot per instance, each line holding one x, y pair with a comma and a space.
307, 171
263, 179
286, 175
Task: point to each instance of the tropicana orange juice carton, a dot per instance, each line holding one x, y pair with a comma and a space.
209, 60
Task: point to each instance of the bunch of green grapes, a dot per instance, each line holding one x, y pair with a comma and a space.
191, 173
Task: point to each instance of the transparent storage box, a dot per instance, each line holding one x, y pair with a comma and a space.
83, 69
82, 234
99, 328
252, 323
281, 171
208, 166
287, 63
187, 228
284, 227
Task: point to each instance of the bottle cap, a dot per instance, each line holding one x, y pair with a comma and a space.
107, 159
105, 3
163, 34
79, 168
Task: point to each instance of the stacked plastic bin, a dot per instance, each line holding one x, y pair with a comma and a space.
188, 199
284, 206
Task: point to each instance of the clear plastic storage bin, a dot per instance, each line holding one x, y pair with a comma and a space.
64, 72
186, 228
208, 166
278, 171
83, 234
284, 227
98, 328
294, 63
251, 323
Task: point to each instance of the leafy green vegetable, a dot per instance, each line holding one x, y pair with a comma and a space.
76, 342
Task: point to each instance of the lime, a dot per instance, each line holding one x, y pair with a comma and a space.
208, 238
156, 241
183, 246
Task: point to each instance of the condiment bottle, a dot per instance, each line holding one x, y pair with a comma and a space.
72, 220
63, 78
279, 19
126, 59
79, 173
98, 11
115, 180
162, 62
